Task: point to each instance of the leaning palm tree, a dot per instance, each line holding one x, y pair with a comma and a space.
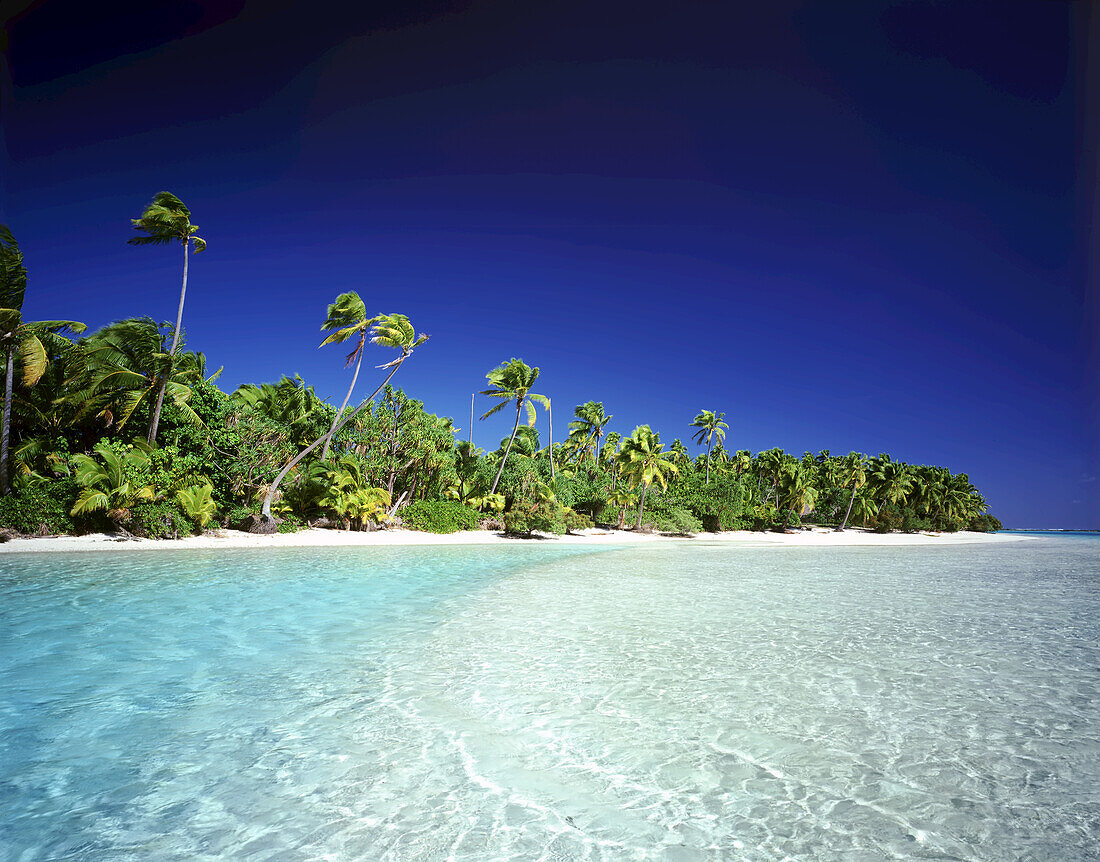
388, 330
20, 340
853, 469
710, 425
644, 462
512, 381
347, 318
166, 220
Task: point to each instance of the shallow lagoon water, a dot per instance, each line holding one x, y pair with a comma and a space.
688, 701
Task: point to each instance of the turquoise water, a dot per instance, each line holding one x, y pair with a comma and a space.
689, 701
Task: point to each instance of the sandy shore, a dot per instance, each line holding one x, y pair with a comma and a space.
315, 538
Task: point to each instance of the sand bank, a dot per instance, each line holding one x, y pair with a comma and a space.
316, 538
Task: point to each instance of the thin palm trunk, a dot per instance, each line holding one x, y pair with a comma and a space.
851, 500
4, 434
709, 443
340, 412
550, 410
154, 420
641, 506
508, 448
472, 419
270, 496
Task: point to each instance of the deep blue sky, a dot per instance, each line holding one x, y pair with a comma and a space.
847, 225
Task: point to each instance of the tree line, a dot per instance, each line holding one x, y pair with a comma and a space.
125, 429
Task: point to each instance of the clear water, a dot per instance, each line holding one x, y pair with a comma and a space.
688, 701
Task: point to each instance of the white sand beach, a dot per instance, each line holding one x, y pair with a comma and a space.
319, 538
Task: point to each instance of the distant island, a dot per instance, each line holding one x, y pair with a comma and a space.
124, 430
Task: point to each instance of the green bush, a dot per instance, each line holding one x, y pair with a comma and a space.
679, 520
160, 520
576, 520
525, 517
985, 524
440, 516
40, 508
291, 524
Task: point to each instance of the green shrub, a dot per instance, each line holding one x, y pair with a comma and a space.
40, 508
160, 520
576, 520
526, 516
291, 524
440, 516
985, 524
679, 520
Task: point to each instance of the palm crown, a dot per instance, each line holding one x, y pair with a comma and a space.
165, 220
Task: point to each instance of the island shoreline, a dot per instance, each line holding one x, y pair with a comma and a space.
323, 538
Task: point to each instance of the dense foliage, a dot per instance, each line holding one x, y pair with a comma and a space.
124, 429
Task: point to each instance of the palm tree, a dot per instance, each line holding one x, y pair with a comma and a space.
742, 461
852, 469
589, 427
289, 402
19, 339
197, 502
123, 366
512, 381
710, 425
621, 499
644, 462
111, 484
347, 318
166, 220
388, 330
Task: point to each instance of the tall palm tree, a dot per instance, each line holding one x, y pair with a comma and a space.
589, 427
512, 381
644, 462
347, 318
388, 330
853, 470
710, 425
166, 220
20, 339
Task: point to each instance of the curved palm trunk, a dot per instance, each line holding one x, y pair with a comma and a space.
154, 420
641, 506
851, 500
508, 448
5, 488
709, 444
340, 412
270, 496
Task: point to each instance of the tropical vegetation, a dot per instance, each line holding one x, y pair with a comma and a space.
123, 429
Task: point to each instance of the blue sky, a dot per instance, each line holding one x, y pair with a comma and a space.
848, 226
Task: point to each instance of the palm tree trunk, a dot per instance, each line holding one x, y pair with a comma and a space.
5, 488
265, 511
851, 500
550, 435
340, 412
472, 418
641, 506
504, 460
154, 420
707, 482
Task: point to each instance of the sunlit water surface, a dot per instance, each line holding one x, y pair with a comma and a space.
688, 701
